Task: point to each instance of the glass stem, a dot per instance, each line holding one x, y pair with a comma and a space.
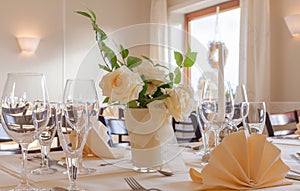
24, 177
45, 160
205, 138
216, 137
72, 163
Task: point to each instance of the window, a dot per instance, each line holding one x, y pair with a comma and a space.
201, 26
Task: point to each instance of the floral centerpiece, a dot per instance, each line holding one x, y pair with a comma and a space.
151, 92
139, 81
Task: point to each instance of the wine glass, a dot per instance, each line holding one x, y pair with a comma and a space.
46, 139
223, 106
80, 108
24, 113
228, 126
254, 115
206, 111
240, 96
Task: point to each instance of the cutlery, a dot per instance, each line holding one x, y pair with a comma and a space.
166, 173
190, 147
296, 158
134, 185
285, 137
58, 189
292, 176
294, 171
112, 163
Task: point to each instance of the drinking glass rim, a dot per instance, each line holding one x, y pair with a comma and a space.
25, 74
80, 79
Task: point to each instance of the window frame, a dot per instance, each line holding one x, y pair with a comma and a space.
188, 17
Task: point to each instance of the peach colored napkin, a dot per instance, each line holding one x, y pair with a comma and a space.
298, 129
242, 163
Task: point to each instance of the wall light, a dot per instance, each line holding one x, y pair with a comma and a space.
293, 24
28, 44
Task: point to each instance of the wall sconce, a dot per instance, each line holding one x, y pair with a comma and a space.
293, 24
28, 44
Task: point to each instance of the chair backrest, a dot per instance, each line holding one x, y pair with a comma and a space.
116, 126
281, 123
7, 145
3, 136
187, 131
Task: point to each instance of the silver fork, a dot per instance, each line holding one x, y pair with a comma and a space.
134, 185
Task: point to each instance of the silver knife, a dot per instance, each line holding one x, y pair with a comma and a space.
292, 176
296, 158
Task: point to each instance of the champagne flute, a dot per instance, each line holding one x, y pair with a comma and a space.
254, 115
80, 107
46, 139
206, 111
24, 113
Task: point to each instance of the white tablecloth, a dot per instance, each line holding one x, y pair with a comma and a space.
111, 177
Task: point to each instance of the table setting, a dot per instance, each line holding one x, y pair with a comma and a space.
151, 94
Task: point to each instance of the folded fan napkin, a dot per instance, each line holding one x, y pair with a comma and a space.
298, 129
242, 163
97, 142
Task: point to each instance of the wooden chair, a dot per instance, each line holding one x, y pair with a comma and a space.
280, 124
187, 131
115, 127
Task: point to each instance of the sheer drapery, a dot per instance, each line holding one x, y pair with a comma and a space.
255, 49
158, 30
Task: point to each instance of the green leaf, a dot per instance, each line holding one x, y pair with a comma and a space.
104, 67
178, 57
177, 73
158, 91
143, 92
148, 59
163, 96
171, 76
133, 104
100, 33
159, 65
111, 56
124, 52
190, 58
133, 62
164, 86
106, 100
84, 14
93, 14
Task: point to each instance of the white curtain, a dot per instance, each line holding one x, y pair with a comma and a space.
158, 31
255, 49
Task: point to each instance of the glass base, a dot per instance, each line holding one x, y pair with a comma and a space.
43, 171
76, 188
25, 188
143, 169
84, 170
204, 156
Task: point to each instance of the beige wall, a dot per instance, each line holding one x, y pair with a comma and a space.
285, 53
66, 38
32, 17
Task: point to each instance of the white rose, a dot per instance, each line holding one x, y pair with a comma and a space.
181, 101
121, 85
151, 72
